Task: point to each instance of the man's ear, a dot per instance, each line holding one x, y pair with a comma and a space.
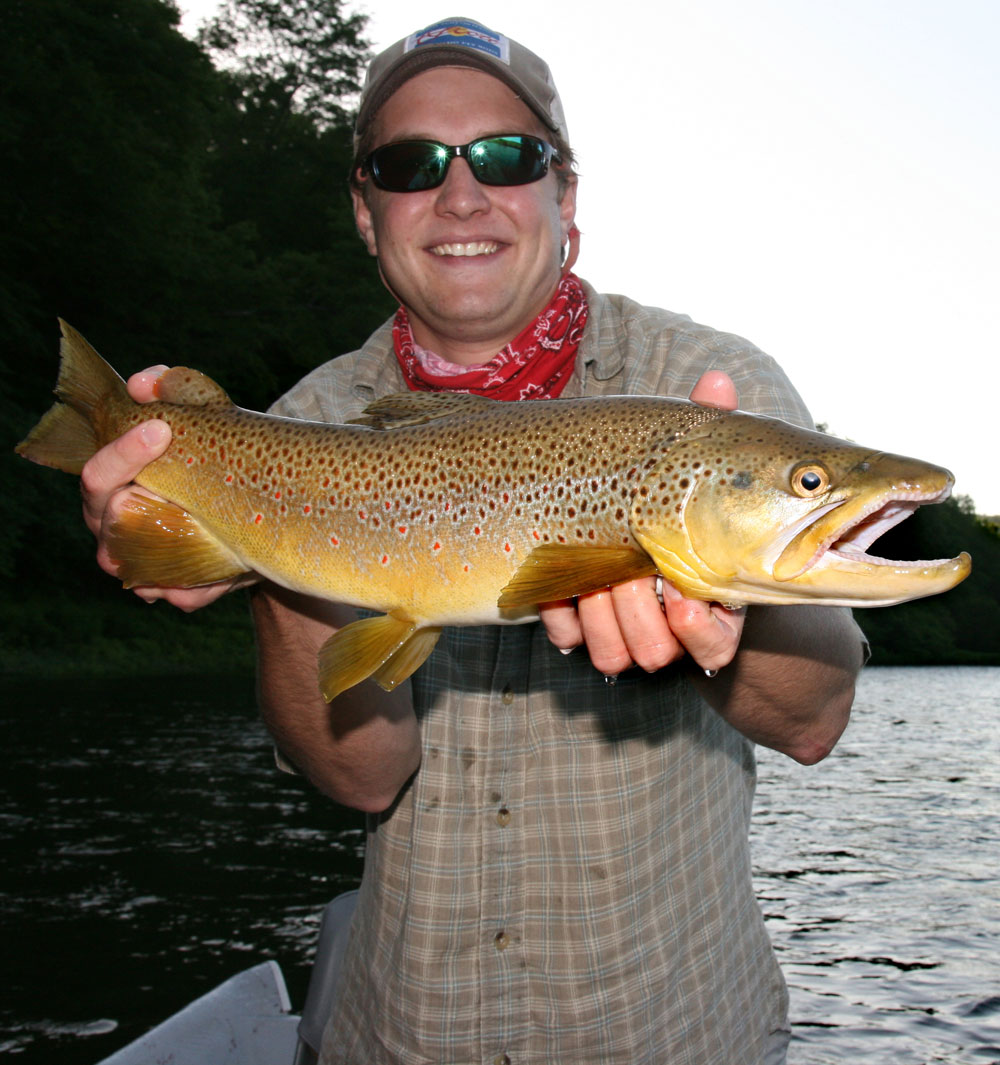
363, 220
567, 208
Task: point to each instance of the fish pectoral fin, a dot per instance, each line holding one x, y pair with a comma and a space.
379, 647
190, 388
408, 659
158, 543
417, 408
560, 571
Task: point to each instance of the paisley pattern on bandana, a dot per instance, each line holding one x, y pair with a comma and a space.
536, 364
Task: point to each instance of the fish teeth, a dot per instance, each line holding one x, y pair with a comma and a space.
479, 247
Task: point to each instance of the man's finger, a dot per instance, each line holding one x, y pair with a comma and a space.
141, 385
117, 465
715, 389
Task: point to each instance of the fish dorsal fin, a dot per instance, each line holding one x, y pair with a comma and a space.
387, 647
417, 408
189, 388
157, 543
560, 571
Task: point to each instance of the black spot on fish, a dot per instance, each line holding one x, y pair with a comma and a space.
743, 479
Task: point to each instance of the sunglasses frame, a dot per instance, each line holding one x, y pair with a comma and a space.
461, 151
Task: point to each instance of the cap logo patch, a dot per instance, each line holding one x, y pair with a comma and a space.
465, 33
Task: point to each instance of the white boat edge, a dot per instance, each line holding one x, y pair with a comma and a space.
248, 1019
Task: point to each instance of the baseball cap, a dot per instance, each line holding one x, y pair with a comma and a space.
462, 42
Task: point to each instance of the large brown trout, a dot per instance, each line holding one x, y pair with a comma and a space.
445, 509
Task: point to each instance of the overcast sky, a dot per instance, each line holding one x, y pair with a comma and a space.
821, 178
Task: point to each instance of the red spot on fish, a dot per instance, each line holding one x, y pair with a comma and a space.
334, 541
403, 529
535, 535
190, 461
229, 479
505, 497
277, 495
307, 509
258, 519
447, 507
437, 545
466, 567
476, 530
507, 547
362, 515
326, 482
385, 560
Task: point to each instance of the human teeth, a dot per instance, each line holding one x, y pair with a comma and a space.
482, 247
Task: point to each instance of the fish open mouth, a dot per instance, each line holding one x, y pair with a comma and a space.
834, 545
854, 541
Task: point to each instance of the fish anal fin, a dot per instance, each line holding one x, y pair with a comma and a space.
158, 543
190, 388
560, 571
417, 408
366, 647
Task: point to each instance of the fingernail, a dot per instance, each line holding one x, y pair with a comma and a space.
152, 433
566, 650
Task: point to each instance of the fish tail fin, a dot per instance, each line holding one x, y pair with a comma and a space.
65, 438
386, 648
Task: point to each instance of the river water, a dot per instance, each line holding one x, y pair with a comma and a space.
150, 852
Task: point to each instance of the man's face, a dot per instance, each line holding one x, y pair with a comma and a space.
473, 264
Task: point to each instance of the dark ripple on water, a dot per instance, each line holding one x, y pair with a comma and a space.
151, 851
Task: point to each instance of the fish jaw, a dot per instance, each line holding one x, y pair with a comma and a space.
830, 556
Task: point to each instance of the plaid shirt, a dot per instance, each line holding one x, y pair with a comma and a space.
567, 878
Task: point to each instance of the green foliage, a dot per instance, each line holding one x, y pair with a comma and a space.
961, 627
174, 213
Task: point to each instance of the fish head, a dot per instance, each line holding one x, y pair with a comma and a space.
746, 509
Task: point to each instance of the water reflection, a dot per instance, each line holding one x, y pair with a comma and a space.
877, 874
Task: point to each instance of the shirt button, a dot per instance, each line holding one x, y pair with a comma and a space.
503, 817
501, 1059
500, 940
507, 696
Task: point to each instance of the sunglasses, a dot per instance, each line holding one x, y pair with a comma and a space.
412, 166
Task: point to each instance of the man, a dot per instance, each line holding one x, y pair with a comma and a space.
557, 866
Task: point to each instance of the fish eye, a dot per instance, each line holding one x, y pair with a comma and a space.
810, 479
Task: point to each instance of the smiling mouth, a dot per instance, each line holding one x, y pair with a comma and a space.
473, 248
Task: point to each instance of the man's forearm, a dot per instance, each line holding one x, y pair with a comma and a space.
791, 684
362, 748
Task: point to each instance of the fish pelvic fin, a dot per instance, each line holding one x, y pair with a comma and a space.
65, 438
560, 571
387, 648
158, 543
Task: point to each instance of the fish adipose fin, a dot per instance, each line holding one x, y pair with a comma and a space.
561, 571
190, 388
417, 408
386, 648
64, 438
157, 543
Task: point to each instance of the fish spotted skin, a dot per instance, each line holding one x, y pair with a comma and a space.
447, 509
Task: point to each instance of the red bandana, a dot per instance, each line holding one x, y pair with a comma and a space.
536, 364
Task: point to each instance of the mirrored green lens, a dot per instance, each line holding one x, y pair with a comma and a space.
514, 160
410, 166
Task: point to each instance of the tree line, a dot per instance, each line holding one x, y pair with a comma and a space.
185, 202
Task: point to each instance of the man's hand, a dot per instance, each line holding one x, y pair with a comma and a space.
107, 479
626, 625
